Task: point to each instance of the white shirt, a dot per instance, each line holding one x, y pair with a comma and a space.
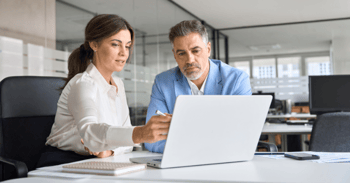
91, 109
194, 88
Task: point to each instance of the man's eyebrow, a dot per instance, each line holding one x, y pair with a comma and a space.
119, 40
179, 51
196, 47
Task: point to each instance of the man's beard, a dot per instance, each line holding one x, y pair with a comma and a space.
194, 75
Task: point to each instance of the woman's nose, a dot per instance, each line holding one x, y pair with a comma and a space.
122, 51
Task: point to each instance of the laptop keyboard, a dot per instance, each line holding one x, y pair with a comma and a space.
157, 159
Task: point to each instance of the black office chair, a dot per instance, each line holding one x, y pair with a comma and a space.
28, 107
270, 147
331, 133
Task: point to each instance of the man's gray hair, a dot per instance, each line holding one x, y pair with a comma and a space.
186, 27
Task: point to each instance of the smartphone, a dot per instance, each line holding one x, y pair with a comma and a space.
301, 156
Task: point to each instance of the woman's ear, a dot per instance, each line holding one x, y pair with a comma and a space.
93, 45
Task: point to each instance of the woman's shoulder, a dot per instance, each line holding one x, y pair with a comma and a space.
81, 79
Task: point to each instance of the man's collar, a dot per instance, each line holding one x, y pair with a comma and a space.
97, 76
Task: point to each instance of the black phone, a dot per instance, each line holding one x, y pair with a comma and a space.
301, 156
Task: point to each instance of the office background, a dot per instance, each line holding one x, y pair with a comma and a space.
278, 43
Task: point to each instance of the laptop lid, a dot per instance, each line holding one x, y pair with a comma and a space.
208, 129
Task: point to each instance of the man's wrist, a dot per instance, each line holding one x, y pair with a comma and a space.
136, 135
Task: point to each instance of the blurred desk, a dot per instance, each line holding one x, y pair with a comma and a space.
293, 130
272, 128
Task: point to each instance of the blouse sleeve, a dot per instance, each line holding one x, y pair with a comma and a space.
97, 136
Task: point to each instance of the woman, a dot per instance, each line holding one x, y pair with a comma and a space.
92, 115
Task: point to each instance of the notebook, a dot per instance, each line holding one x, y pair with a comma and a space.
104, 168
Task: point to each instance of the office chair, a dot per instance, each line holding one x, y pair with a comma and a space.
28, 107
330, 133
270, 147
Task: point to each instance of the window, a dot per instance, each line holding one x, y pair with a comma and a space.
318, 65
288, 67
264, 68
242, 65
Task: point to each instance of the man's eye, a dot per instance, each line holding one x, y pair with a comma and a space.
195, 51
181, 54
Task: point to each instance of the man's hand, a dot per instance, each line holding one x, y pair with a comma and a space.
102, 154
156, 129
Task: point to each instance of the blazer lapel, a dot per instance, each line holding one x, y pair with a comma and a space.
214, 81
181, 84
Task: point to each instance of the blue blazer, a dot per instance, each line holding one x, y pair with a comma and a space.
222, 80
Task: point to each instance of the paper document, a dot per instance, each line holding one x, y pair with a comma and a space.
325, 157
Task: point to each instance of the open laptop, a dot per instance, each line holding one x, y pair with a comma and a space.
211, 129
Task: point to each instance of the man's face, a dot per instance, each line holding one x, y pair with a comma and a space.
191, 54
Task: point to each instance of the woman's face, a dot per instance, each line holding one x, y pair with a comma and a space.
112, 52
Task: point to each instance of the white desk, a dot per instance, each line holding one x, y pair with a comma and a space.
290, 129
272, 128
60, 180
260, 169
275, 128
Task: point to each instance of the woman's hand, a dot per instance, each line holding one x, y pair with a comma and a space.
156, 129
102, 154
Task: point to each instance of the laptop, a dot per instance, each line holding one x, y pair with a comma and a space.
212, 129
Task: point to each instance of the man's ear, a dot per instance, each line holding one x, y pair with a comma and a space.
173, 53
209, 48
93, 45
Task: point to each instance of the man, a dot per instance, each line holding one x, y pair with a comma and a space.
196, 74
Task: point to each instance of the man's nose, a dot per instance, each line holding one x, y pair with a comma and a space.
190, 58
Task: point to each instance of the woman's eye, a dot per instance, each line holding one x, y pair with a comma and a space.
114, 44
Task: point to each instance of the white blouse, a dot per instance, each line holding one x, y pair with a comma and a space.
91, 109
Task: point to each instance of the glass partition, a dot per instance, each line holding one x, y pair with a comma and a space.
39, 40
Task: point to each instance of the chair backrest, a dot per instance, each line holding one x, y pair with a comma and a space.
331, 133
28, 107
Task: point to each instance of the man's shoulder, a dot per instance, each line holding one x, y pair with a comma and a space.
229, 71
168, 75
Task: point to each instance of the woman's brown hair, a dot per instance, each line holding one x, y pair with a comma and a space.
100, 27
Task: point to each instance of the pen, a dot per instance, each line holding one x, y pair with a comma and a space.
160, 113
269, 153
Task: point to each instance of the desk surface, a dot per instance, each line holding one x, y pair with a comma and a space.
273, 128
293, 115
260, 169
87, 180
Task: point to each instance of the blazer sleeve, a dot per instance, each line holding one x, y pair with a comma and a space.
97, 136
157, 103
242, 86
